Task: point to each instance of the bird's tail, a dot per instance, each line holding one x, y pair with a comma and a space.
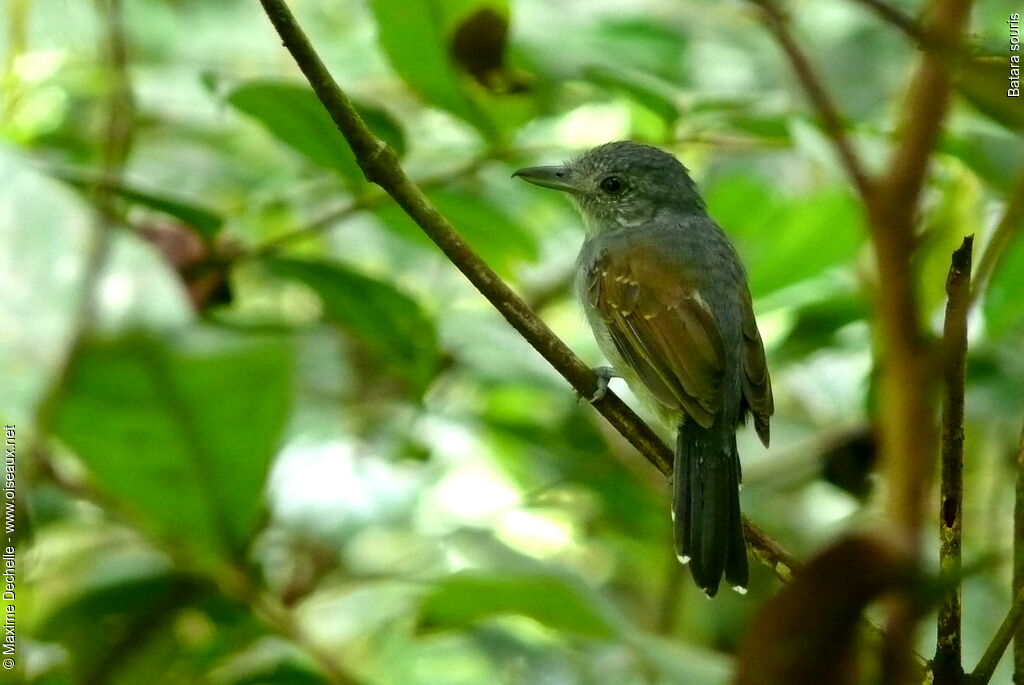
706, 506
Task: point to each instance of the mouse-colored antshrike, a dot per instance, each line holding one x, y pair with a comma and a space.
667, 297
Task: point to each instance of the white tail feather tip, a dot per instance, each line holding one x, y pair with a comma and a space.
684, 559
740, 589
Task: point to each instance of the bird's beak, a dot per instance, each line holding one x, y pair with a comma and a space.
557, 177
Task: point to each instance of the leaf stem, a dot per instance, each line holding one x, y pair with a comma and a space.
982, 673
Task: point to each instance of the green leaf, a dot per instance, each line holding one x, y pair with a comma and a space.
644, 89
206, 222
293, 114
984, 82
552, 600
125, 603
640, 45
175, 431
390, 324
786, 239
770, 128
493, 234
955, 215
1003, 311
995, 156
418, 39
817, 323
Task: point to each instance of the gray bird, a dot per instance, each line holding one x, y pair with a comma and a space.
667, 298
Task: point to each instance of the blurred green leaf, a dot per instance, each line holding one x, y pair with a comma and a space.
995, 156
772, 128
642, 45
389, 323
681, 662
983, 81
206, 222
646, 90
552, 600
785, 239
544, 440
416, 37
955, 215
493, 234
127, 600
172, 429
126, 617
1003, 311
817, 323
293, 114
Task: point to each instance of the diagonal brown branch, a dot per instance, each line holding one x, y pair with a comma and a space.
778, 23
982, 673
895, 17
380, 165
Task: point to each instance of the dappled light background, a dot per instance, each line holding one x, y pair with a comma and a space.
287, 397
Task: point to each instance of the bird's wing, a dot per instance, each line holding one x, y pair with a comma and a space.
757, 385
662, 328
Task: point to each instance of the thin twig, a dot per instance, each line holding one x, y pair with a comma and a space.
896, 17
117, 138
283, 621
116, 141
1018, 559
1006, 231
948, 668
778, 23
982, 673
380, 165
372, 199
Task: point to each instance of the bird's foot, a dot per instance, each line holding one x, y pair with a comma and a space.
604, 374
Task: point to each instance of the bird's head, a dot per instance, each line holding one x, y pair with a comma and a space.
620, 185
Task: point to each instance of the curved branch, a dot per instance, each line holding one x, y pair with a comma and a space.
380, 165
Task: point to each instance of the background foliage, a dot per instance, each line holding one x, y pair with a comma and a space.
288, 428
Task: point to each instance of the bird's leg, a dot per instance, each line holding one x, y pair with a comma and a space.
604, 374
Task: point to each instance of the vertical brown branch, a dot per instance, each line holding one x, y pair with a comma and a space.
907, 406
948, 668
1018, 561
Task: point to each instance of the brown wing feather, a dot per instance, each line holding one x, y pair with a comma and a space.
662, 328
757, 384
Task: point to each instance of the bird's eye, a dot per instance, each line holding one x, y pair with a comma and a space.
612, 185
